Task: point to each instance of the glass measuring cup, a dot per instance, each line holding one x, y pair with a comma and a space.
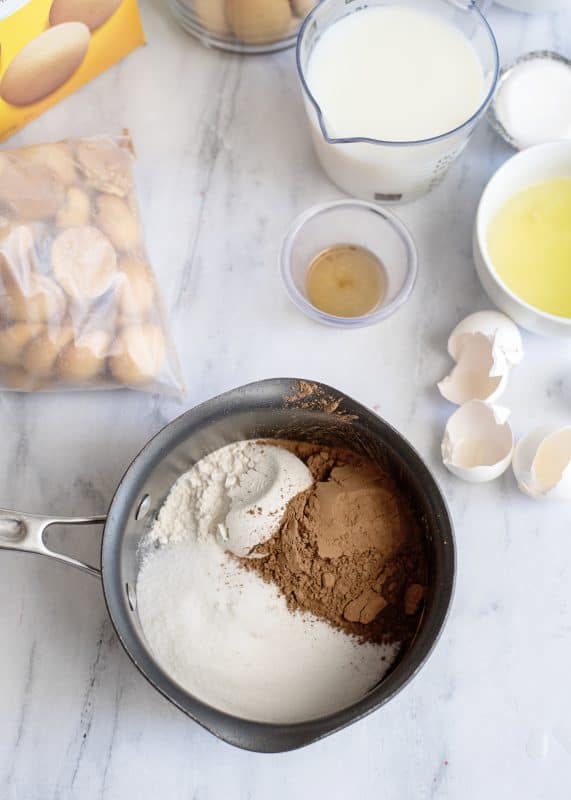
394, 171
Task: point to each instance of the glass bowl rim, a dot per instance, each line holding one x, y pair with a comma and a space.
380, 313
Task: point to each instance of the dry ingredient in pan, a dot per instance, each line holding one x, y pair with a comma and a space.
346, 281
220, 629
237, 494
230, 640
348, 549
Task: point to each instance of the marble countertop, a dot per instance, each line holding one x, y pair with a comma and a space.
225, 164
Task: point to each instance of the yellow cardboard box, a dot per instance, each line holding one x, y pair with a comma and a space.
49, 48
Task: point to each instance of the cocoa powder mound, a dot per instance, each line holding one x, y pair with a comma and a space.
349, 549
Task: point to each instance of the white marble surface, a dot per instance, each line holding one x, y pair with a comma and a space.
225, 163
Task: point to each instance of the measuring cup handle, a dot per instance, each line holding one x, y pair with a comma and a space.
26, 533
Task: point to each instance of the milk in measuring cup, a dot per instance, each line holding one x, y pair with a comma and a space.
397, 74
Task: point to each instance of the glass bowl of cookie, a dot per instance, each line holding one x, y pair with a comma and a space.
244, 26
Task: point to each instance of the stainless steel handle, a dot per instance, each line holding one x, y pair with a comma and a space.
25, 533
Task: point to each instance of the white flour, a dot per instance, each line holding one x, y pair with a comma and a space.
226, 636
239, 493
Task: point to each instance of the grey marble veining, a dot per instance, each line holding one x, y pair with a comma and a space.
225, 164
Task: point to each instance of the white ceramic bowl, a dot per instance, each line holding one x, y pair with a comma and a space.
540, 163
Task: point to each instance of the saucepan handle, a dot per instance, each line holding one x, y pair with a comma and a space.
26, 533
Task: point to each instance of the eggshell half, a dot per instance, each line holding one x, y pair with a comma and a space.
485, 346
542, 463
470, 379
499, 329
478, 442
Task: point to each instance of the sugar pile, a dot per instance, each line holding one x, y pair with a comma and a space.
219, 630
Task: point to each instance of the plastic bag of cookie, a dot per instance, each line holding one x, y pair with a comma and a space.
79, 303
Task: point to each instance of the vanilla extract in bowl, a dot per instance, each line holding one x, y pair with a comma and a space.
346, 280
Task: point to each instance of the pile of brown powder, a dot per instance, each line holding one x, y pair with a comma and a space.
349, 549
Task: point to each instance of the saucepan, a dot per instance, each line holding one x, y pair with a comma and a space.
277, 408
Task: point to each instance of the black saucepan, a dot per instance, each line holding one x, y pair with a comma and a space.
280, 408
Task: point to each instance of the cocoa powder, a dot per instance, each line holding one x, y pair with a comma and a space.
350, 549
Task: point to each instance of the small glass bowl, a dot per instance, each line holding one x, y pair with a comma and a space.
506, 74
354, 222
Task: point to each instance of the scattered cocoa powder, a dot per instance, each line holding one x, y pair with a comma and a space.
349, 549
313, 396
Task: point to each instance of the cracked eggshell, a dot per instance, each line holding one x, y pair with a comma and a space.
478, 442
485, 346
542, 463
499, 329
470, 378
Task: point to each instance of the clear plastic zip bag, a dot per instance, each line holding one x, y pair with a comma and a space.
80, 306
